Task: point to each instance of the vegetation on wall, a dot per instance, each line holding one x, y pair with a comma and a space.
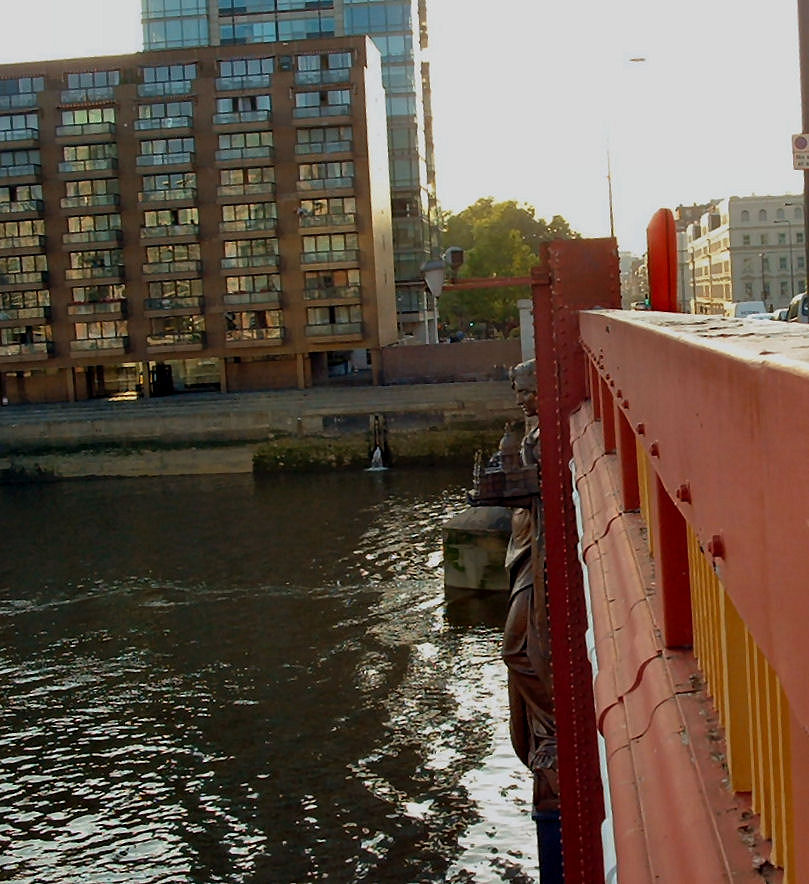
499, 240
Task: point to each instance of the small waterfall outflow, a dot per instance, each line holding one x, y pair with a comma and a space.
380, 455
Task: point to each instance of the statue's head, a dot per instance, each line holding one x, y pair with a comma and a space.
524, 383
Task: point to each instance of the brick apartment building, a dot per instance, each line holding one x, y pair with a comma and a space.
214, 217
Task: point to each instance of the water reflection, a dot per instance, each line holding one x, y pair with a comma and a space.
238, 681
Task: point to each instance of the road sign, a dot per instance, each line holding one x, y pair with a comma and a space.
800, 151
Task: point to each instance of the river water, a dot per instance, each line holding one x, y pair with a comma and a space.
228, 679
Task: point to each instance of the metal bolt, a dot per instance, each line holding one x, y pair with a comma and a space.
683, 493
640, 429
716, 546
654, 449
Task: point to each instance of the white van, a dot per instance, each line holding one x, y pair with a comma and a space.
798, 310
745, 308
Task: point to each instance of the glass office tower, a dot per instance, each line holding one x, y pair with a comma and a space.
399, 29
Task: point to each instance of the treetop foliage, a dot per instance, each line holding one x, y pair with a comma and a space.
499, 240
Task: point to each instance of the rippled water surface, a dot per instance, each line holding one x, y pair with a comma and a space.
232, 680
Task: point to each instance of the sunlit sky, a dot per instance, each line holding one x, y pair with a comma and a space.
529, 98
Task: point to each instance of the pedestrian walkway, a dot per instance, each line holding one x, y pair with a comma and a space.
246, 416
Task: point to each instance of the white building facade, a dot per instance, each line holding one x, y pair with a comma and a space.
748, 248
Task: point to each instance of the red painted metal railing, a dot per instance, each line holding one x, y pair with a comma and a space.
676, 504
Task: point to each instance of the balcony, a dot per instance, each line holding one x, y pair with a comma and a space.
21, 101
108, 309
183, 158
27, 315
87, 96
170, 195
171, 87
243, 84
331, 257
90, 201
21, 207
172, 267
262, 188
181, 305
26, 170
83, 237
333, 293
329, 220
326, 110
103, 164
86, 130
34, 244
246, 337
170, 231
239, 154
249, 225
318, 147
322, 78
252, 299
112, 272
26, 352
175, 341
111, 346
246, 262
326, 184
335, 330
10, 136
241, 117
38, 278
161, 123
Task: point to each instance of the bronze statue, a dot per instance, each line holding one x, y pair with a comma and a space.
526, 643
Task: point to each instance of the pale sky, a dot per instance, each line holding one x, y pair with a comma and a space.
529, 96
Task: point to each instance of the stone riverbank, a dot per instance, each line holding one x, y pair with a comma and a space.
199, 434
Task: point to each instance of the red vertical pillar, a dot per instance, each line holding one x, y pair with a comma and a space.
595, 390
574, 275
607, 418
628, 459
671, 554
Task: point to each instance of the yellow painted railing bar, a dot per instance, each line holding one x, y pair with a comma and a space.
735, 699
754, 719
764, 809
788, 853
644, 493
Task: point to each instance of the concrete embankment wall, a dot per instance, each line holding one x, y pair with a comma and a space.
216, 433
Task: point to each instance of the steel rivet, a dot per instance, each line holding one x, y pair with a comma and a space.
716, 546
683, 493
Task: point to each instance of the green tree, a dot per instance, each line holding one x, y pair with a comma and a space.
499, 240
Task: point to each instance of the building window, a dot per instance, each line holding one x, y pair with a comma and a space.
93, 80
245, 67
762, 214
782, 263
89, 223
764, 239
745, 215
746, 239
89, 115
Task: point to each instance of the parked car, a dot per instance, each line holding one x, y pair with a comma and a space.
798, 310
745, 308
